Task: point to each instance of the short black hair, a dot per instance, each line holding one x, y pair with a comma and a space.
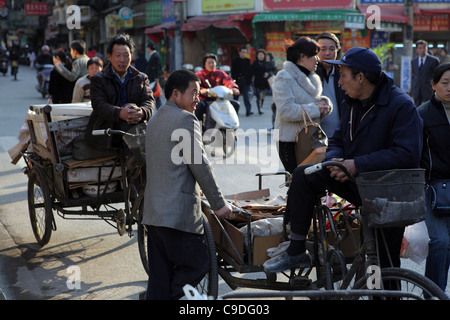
373, 78
439, 71
304, 45
330, 36
121, 39
179, 79
207, 56
95, 60
79, 46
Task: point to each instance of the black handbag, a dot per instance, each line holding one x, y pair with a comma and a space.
310, 143
440, 197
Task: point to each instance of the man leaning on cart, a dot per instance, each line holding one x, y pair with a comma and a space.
380, 129
177, 248
120, 95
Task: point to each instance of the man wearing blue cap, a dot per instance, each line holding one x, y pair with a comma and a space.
379, 129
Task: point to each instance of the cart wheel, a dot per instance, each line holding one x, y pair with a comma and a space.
142, 238
209, 285
40, 206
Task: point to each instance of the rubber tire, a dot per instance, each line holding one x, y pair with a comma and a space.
411, 277
42, 219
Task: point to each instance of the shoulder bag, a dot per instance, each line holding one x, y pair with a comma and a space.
440, 197
311, 142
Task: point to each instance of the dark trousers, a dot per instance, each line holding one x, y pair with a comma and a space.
176, 258
303, 195
244, 89
286, 152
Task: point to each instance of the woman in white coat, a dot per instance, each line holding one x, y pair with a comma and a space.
297, 86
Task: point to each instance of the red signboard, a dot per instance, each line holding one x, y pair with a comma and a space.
308, 4
36, 9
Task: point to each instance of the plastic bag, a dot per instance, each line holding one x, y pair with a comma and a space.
415, 242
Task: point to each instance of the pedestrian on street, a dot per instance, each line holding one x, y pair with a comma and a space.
260, 73
120, 95
380, 129
154, 69
444, 56
329, 75
82, 89
422, 68
436, 152
172, 202
79, 62
60, 89
210, 77
297, 86
240, 71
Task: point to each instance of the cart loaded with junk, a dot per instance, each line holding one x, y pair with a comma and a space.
68, 177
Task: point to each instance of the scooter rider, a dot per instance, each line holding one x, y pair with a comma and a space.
44, 58
211, 77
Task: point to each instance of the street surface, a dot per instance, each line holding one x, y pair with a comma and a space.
108, 265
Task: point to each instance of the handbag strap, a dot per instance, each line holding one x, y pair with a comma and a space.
304, 122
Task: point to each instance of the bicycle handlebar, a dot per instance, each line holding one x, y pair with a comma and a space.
319, 166
109, 131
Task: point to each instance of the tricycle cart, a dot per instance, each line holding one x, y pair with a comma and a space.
107, 188
341, 244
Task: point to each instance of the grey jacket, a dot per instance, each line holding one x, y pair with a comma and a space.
292, 90
79, 69
177, 167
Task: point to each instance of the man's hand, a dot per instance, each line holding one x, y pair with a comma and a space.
337, 174
225, 212
235, 91
131, 113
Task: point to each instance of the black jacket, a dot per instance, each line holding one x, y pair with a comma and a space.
436, 142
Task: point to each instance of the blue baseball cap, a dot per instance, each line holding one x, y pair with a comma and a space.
362, 59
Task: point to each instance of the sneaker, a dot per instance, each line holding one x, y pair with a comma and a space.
288, 262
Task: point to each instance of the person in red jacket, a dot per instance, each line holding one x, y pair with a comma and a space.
211, 77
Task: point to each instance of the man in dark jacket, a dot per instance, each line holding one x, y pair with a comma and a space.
121, 96
240, 71
380, 129
154, 68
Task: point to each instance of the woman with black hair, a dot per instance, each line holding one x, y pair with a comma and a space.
297, 86
436, 152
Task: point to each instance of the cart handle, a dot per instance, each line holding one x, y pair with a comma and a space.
109, 132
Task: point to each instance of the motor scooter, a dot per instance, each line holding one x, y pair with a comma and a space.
223, 120
4, 65
44, 76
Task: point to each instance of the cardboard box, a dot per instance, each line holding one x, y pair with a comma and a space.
257, 200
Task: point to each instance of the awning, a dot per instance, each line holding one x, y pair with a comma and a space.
238, 22
391, 13
156, 33
318, 15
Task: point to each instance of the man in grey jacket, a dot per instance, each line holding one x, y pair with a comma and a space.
177, 168
79, 64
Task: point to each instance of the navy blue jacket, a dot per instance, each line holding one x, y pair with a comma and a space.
388, 136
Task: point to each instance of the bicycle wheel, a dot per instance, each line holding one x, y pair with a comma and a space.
408, 281
209, 285
142, 238
40, 206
